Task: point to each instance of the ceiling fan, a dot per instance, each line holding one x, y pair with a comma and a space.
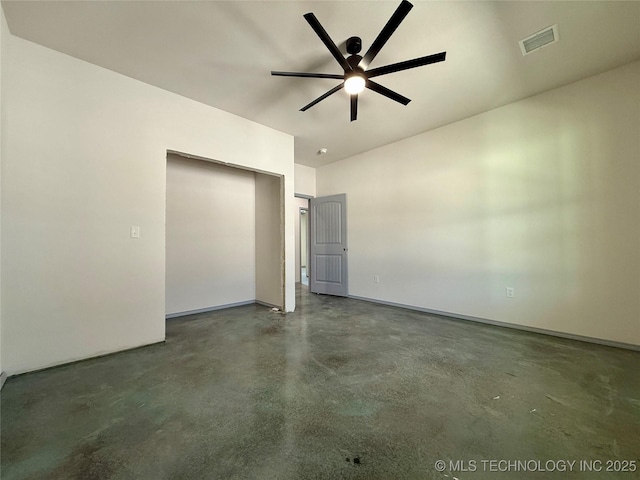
357, 75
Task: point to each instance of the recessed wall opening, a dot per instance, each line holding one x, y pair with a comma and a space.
224, 236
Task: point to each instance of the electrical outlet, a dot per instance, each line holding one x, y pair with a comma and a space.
376, 279
510, 292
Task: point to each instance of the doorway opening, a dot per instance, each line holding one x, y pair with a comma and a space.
304, 246
302, 227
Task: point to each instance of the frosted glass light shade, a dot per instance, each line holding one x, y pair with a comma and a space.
354, 84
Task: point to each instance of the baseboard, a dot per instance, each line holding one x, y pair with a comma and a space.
3, 378
210, 309
268, 305
80, 360
496, 323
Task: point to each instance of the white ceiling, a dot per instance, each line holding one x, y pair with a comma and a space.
221, 54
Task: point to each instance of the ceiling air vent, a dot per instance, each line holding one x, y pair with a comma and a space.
539, 39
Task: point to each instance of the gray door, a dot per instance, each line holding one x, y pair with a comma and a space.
329, 245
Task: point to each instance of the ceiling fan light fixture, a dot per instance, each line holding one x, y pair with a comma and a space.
354, 84
357, 75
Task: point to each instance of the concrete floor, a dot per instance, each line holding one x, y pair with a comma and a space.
247, 393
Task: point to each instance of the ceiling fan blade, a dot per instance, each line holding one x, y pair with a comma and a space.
397, 67
393, 23
322, 97
308, 75
354, 107
376, 87
326, 39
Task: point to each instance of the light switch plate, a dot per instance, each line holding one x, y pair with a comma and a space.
135, 231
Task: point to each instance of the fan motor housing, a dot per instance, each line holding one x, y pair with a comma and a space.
354, 45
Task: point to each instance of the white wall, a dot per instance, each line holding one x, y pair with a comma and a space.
211, 235
542, 195
268, 265
305, 180
85, 159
